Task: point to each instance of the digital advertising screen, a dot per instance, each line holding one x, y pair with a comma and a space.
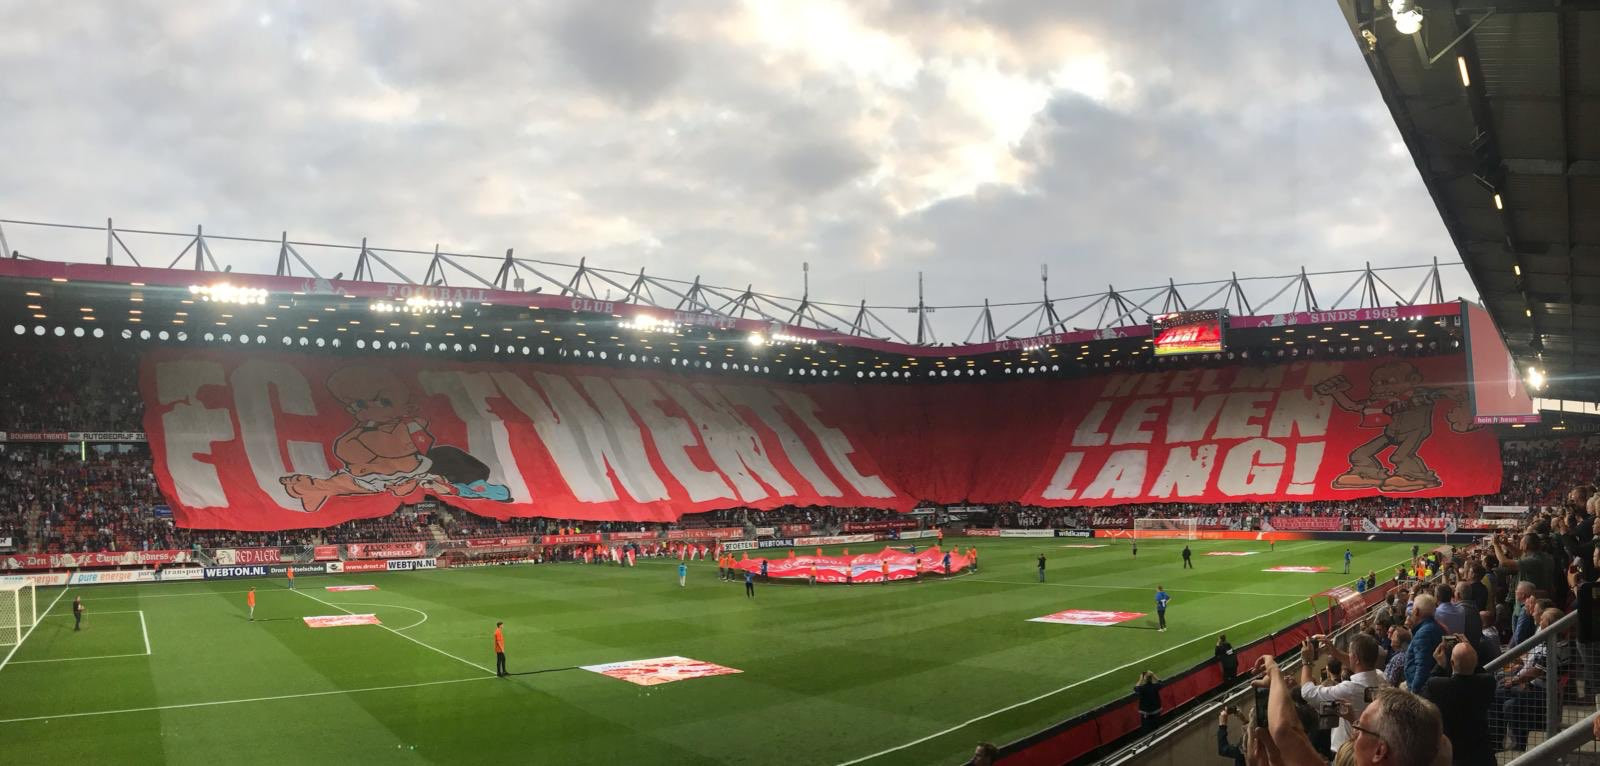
1189, 332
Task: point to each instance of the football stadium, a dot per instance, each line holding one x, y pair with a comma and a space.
359, 502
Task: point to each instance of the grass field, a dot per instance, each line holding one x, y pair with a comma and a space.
908, 672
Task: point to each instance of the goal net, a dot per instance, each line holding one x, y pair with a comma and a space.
1166, 529
19, 609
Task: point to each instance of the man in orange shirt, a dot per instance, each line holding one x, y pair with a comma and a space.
886, 571
500, 650
250, 601
290, 573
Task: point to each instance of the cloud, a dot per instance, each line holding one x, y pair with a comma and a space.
1119, 143
615, 46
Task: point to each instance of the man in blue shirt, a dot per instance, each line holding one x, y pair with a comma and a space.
1425, 637
683, 574
1347, 558
1162, 597
749, 584
947, 562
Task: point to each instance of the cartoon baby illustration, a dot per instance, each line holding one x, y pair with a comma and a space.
1398, 403
389, 448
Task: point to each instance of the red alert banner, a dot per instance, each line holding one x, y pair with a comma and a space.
227, 557
281, 441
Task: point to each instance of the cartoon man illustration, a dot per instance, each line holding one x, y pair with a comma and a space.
389, 448
1398, 403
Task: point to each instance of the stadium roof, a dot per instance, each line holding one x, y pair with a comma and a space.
1498, 102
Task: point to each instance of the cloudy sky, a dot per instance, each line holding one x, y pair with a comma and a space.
1118, 142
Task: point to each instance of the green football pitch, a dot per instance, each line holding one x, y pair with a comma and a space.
910, 672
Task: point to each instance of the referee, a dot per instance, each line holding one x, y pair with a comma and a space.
1187, 563
500, 650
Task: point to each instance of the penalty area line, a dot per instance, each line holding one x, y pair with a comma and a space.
241, 701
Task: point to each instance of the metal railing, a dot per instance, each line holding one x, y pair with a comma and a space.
1552, 708
918, 323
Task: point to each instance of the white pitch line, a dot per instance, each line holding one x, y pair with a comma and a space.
398, 633
117, 611
1123, 587
240, 701
166, 595
74, 659
1073, 685
395, 606
146, 631
35, 624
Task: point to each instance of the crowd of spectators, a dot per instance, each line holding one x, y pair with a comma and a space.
1428, 653
69, 387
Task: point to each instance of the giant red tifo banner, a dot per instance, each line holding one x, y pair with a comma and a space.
100, 559
276, 441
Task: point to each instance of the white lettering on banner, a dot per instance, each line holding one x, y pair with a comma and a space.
41, 580
834, 540
1027, 533
1088, 433
191, 429
1189, 417
624, 446
1252, 467
487, 439
720, 444
559, 440
1186, 471
740, 545
672, 436
1505, 510
613, 440
746, 444
834, 444
253, 385
765, 406
1238, 414
1060, 487
1121, 476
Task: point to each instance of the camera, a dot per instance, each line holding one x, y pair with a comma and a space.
1370, 694
1328, 715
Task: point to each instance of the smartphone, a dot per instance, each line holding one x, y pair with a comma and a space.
1370, 694
1262, 697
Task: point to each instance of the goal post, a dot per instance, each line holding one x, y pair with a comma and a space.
1166, 529
19, 610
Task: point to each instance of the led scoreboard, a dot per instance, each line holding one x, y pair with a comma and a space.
1189, 332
